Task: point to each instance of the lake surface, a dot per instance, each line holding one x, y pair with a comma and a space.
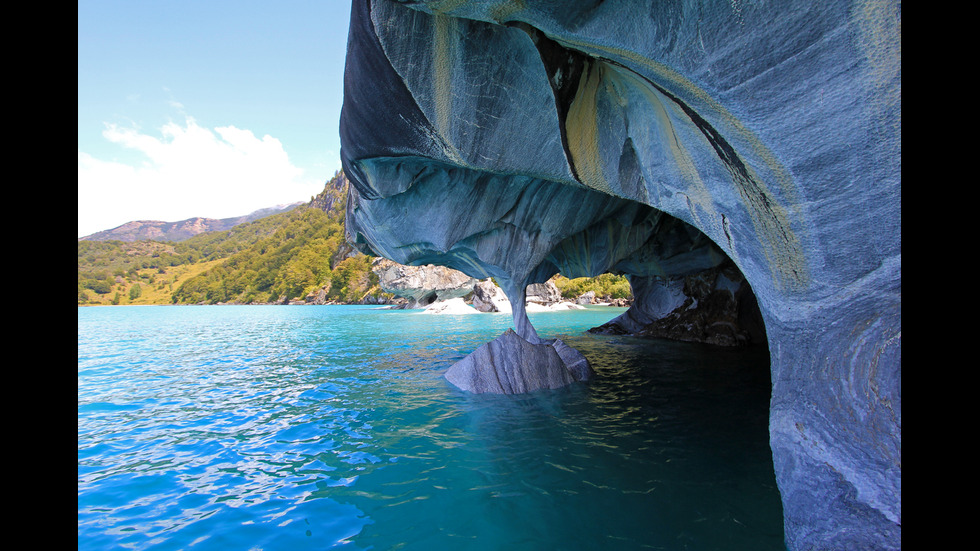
322, 427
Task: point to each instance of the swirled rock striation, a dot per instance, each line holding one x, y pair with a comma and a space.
511, 365
663, 140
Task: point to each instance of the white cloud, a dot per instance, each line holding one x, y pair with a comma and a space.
188, 171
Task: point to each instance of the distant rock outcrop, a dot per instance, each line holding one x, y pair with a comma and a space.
422, 285
334, 194
453, 306
487, 297
544, 294
664, 140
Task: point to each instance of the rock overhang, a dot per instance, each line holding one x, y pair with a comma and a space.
590, 134
772, 132
509, 226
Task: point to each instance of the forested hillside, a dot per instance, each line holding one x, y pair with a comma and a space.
282, 258
272, 260
306, 253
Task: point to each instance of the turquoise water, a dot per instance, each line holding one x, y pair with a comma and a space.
321, 427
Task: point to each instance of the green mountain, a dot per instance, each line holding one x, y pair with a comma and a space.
275, 259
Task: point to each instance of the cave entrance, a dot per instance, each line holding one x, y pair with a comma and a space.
681, 284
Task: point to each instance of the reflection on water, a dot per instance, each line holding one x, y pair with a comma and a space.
320, 427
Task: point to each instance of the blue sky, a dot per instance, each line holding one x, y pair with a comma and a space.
208, 108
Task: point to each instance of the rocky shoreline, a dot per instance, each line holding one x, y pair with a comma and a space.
438, 289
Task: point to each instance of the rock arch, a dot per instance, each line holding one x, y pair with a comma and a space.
516, 139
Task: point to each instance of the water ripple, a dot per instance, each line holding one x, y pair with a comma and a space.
325, 427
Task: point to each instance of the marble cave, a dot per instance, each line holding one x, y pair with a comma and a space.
754, 145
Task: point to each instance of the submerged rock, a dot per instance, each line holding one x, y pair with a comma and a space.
511, 365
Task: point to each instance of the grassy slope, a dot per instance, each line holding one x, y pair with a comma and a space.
157, 292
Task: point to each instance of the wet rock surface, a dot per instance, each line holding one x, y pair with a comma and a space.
511, 365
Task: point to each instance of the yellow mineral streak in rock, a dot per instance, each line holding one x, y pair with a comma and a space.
696, 191
879, 36
446, 6
443, 57
771, 220
782, 247
582, 130
502, 12
442, 74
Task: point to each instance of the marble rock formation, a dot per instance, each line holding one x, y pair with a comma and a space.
487, 297
715, 306
544, 294
421, 285
519, 366
661, 139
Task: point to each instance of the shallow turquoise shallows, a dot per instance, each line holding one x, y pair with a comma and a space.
321, 427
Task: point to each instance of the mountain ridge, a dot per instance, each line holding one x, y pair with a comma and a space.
158, 230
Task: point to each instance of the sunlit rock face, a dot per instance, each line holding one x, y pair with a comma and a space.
487, 297
422, 285
661, 140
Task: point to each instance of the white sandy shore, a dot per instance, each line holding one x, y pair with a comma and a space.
458, 306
